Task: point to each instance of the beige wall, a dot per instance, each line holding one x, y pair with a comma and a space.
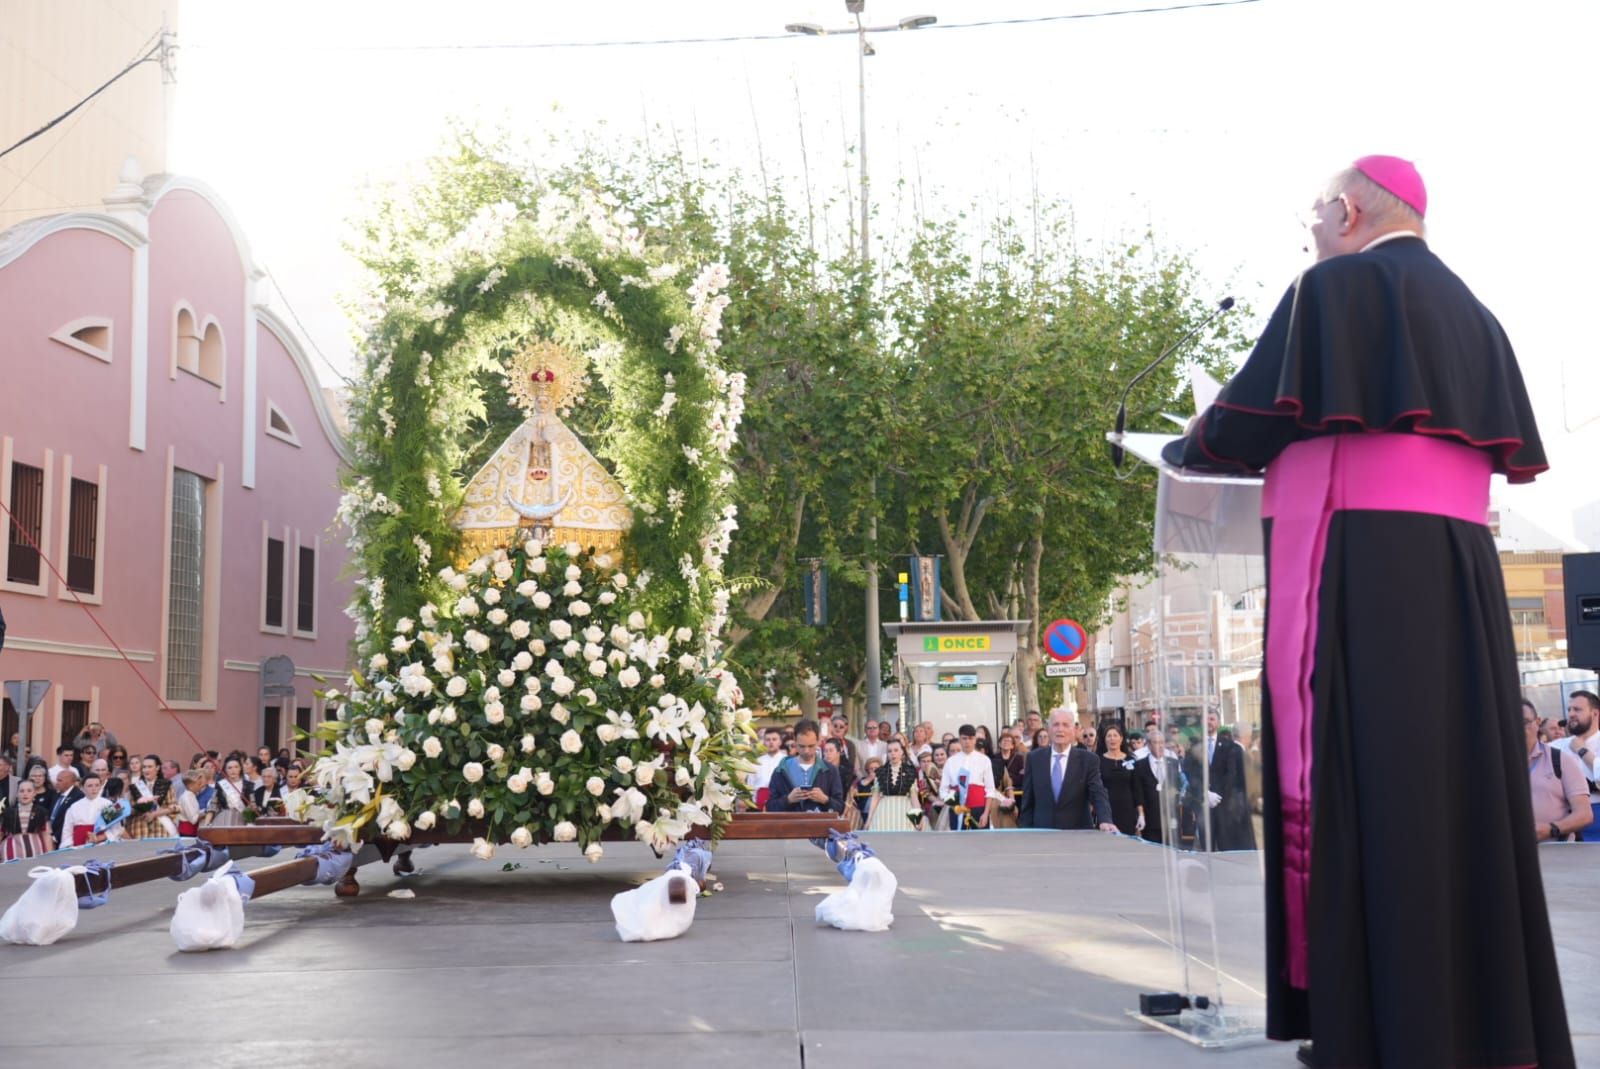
52, 54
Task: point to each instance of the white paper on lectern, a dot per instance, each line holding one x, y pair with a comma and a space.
1205, 388
1200, 512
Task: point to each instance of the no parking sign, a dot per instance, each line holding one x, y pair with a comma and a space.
1064, 640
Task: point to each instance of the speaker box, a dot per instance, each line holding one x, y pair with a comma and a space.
1580, 575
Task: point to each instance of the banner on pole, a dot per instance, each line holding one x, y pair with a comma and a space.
926, 600
814, 589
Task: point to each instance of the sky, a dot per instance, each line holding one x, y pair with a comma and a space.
1213, 127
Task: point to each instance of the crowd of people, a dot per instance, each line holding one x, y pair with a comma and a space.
96, 790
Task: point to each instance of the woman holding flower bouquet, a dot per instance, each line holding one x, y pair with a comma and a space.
153, 804
231, 798
895, 796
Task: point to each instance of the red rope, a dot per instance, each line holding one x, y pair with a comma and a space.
162, 705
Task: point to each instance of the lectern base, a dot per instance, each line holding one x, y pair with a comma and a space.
1216, 1028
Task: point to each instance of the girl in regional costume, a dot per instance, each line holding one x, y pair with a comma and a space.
895, 793
24, 826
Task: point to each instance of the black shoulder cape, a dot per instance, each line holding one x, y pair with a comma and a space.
1383, 340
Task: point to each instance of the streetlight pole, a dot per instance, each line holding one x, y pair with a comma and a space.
874, 648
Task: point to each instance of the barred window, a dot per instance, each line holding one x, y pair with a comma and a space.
74, 719
27, 524
186, 590
83, 521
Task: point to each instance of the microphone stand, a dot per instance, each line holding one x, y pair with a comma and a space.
1118, 455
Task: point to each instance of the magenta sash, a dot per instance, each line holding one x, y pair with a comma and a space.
1305, 486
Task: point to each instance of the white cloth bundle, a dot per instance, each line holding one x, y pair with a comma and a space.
211, 916
647, 912
47, 910
867, 905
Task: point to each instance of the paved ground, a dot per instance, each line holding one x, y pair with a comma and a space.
1008, 949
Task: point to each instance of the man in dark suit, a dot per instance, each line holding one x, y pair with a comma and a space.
1225, 796
67, 792
1156, 775
1063, 783
805, 783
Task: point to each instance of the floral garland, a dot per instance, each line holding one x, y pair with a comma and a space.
673, 410
535, 705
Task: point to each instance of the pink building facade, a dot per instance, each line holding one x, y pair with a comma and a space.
166, 447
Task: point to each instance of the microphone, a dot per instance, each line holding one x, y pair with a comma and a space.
1118, 454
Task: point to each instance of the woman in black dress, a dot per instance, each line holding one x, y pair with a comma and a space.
1117, 772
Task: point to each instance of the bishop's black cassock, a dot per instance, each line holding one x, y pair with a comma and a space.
1406, 919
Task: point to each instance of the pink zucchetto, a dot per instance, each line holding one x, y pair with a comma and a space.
1399, 177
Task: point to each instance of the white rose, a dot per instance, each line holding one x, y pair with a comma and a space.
447, 715
666, 701
541, 600
553, 669
401, 644
591, 652
374, 728
684, 634
565, 832
476, 641
497, 617
624, 764
572, 589
502, 570
458, 583
562, 686
483, 849
629, 676
378, 663
479, 566
522, 838
425, 820
606, 598
432, 747
531, 703
658, 681
594, 852
495, 752
495, 713
527, 587
522, 661
466, 606
405, 760
505, 677
520, 629
683, 777
475, 808
561, 630
603, 811
492, 694
608, 733
645, 774
574, 572
559, 713
636, 620
536, 647
571, 742
456, 687
688, 663
597, 668
444, 664
429, 614
472, 771
544, 784
588, 695
398, 829
571, 648
579, 608
404, 625
517, 783
491, 596
537, 565
595, 786
620, 580
529, 743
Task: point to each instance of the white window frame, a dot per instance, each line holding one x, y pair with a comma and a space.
46, 529
272, 432
293, 605
65, 336
96, 596
211, 605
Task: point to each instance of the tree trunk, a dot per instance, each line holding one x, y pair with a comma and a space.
808, 700
1029, 650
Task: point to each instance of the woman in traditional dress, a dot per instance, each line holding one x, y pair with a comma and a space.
930, 771
153, 804
25, 826
1117, 773
231, 798
895, 792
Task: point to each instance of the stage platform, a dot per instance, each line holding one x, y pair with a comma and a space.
1008, 949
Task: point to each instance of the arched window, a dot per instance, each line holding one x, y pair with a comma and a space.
185, 342
211, 352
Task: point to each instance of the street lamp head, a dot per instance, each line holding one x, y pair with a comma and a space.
917, 22
855, 7
811, 29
